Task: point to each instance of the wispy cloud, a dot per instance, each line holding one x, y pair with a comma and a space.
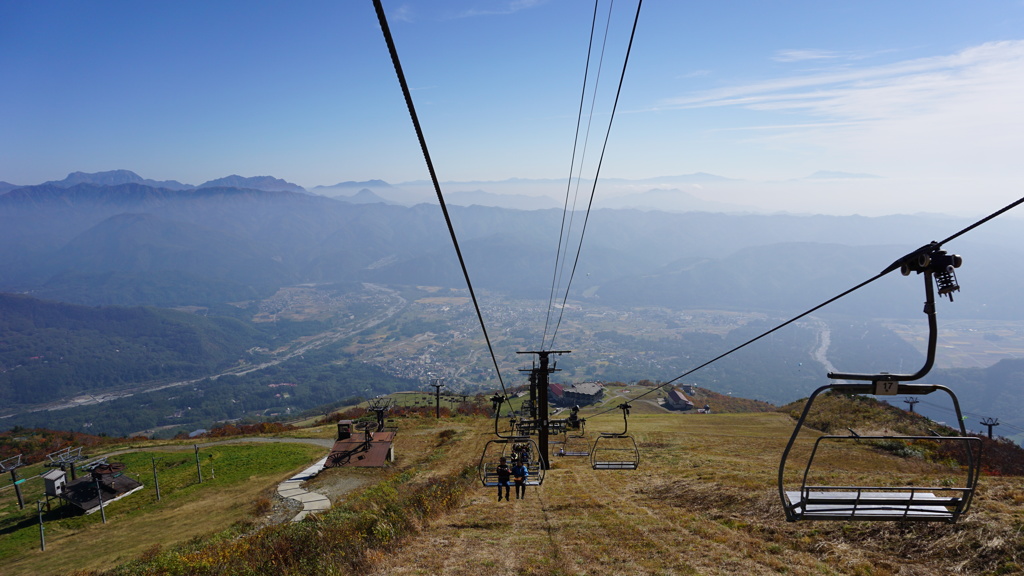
500, 8
985, 75
802, 55
815, 55
954, 121
694, 74
403, 13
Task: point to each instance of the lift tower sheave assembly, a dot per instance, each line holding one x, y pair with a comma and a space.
539, 375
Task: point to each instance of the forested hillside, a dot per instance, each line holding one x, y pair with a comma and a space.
52, 349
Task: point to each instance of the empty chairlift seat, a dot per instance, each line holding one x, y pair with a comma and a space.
903, 499
945, 501
616, 450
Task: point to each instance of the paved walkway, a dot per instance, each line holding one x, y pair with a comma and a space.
311, 501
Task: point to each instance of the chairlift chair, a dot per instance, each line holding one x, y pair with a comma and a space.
616, 450
575, 445
918, 503
514, 449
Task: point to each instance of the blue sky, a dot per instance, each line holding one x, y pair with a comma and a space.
897, 106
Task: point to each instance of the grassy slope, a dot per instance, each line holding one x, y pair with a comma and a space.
703, 502
138, 522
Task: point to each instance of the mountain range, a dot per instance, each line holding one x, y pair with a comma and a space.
137, 243
117, 177
664, 194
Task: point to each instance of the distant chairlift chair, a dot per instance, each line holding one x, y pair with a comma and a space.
616, 450
575, 444
934, 503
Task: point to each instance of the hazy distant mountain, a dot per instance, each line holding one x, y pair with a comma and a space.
172, 261
113, 178
513, 201
833, 175
136, 244
350, 185
665, 193
693, 178
356, 192
6, 187
364, 196
265, 183
673, 200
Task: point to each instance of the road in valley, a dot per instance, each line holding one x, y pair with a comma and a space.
393, 304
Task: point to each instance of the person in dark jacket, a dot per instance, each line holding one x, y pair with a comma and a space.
519, 474
504, 474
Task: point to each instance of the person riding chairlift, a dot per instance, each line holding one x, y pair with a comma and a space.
504, 475
519, 473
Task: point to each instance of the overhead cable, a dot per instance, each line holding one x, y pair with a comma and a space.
597, 172
433, 178
556, 275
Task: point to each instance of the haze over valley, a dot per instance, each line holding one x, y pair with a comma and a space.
263, 299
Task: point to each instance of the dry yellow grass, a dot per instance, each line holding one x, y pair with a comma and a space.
704, 501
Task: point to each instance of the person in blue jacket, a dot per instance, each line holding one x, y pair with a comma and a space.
519, 474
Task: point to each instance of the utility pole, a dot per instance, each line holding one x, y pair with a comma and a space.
540, 376
99, 493
156, 480
42, 534
911, 401
990, 422
437, 396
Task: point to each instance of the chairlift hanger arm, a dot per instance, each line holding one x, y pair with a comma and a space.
625, 406
932, 263
497, 401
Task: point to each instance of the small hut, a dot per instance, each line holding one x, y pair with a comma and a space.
362, 448
105, 483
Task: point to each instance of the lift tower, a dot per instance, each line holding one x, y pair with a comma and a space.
438, 384
990, 422
539, 375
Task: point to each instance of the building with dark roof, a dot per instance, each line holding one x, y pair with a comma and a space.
676, 400
581, 393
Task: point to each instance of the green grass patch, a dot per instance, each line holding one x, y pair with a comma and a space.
227, 469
